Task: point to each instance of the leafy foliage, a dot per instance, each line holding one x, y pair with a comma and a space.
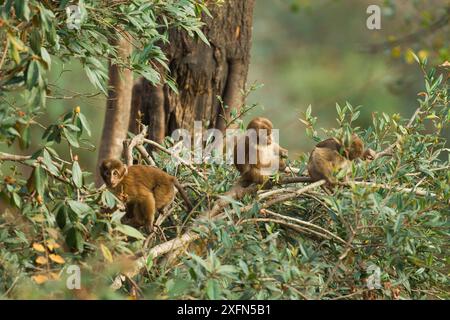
55, 217
33, 33
397, 221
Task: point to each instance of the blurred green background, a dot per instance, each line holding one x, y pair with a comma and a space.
305, 53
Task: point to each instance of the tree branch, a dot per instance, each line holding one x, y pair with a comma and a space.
184, 162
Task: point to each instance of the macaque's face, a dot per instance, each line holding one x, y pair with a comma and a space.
112, 172
356, 148
113, 178
263, 128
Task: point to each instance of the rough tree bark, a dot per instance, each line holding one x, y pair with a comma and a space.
202, 73
118, 106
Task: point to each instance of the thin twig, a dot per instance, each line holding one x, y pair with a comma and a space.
287, 224
306, 223
184, 162
388, 151
4, 54
417, 191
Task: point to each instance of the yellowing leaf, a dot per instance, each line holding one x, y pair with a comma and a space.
38, 247
16, 42
422, 54
392, 38
106, 253
54, 276
39, 279
57, 258
409, 56
38, 218
52, 245
41, 260
396, 52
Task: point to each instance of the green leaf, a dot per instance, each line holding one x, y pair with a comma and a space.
177, 287
202, 262
32, 74
85, 124
39, 179
78, 207
77, 176
129, 231
226, 269
47, 160
22, 10
213, 289
61, 216
108, 199
95, 79
35, 41
25, 138
17, 200
71, 138
46, 57
74, 239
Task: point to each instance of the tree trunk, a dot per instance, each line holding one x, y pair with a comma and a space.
118, 106
202, 73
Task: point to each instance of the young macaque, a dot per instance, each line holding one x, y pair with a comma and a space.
262, 157
144, 189
330, 156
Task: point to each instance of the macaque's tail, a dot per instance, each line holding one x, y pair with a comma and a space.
183, 195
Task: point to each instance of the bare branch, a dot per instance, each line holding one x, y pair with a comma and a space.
12, 157
184, 162
305, 223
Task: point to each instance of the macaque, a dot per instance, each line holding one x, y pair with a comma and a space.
269, 155
330, 156
144, 189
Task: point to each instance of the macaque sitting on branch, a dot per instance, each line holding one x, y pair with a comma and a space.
256, 155
331, 156
144, 189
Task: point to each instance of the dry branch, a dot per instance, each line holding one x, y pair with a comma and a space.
136, 142
304, 223
12, 157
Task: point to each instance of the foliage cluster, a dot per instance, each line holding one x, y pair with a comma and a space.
394, 217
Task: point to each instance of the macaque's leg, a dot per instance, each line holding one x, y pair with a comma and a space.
129, 215
132, 216
148, 209
252, 175
139, 216
164, 195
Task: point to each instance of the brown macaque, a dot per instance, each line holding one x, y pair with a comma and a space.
330, 156
267, 153
144, 189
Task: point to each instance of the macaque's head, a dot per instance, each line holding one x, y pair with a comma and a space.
369, 155
112, 172
260, 123
356, 149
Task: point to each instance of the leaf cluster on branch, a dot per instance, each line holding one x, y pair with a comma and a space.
286, 240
